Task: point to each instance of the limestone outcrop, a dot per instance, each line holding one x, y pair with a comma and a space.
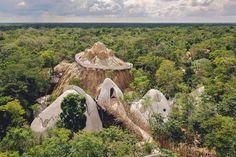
49, 117
152, 102
103, 76
109, 99
100, 57
92, 66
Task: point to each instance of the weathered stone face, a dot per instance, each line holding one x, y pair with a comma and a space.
109, 99
91, 68
62, 67
152, 102
49, 117
100, 57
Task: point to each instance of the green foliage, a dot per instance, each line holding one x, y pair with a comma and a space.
160, 59
13, 107
225, 67
11, 114
129, 97
170, 130
220, 134
56, 143
149, 62
118, 143
168, 78
73, 108
111, 141
47, 58
202, 69
5, 99
148, 147
19, 82
17, 139
10, 154
168, 153
141, 82
88, 145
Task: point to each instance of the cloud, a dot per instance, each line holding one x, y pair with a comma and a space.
152, 10
21, 4
106, 7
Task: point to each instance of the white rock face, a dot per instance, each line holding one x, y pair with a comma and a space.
100, 57
152, 102
108, 92
109, 100
48, 118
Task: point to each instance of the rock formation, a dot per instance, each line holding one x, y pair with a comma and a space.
109, 99
104, 76
92, 66
152, 102
49, 117
195, 53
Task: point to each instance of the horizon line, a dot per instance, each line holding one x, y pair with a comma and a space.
120, 22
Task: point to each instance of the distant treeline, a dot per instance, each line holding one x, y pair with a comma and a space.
12, 26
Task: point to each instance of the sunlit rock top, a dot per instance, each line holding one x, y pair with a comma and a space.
100, 57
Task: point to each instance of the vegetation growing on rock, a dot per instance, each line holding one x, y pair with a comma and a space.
73, 112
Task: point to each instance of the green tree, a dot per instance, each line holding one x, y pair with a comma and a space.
11, 114
118, 143
10, 154
56, 143
220, 134
18, 139
47, 58
87, 145
202, 69
73, 112
225, 67
141, 82
168, 78
170, 130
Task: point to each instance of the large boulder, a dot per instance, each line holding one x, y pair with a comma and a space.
109, 99
49, 117
108, 93
93, 122
91, 67
152, 102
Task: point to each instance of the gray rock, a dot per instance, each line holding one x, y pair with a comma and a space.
152, 102
109, 100
43, 102
93, 122
100, 57
108, 92
49, 117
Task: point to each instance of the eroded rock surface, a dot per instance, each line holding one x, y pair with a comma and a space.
109, 99
92, 66
152, 102
49, 117
100, 57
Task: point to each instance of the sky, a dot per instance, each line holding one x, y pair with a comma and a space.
118, 11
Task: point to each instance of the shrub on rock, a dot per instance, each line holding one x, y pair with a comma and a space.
73, 108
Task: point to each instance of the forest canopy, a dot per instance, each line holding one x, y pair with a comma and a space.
176, 60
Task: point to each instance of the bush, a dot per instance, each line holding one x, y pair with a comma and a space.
170, 130
73, 108
220, 134
87, 145
118, 143
168, 78
56, 143
18, 139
